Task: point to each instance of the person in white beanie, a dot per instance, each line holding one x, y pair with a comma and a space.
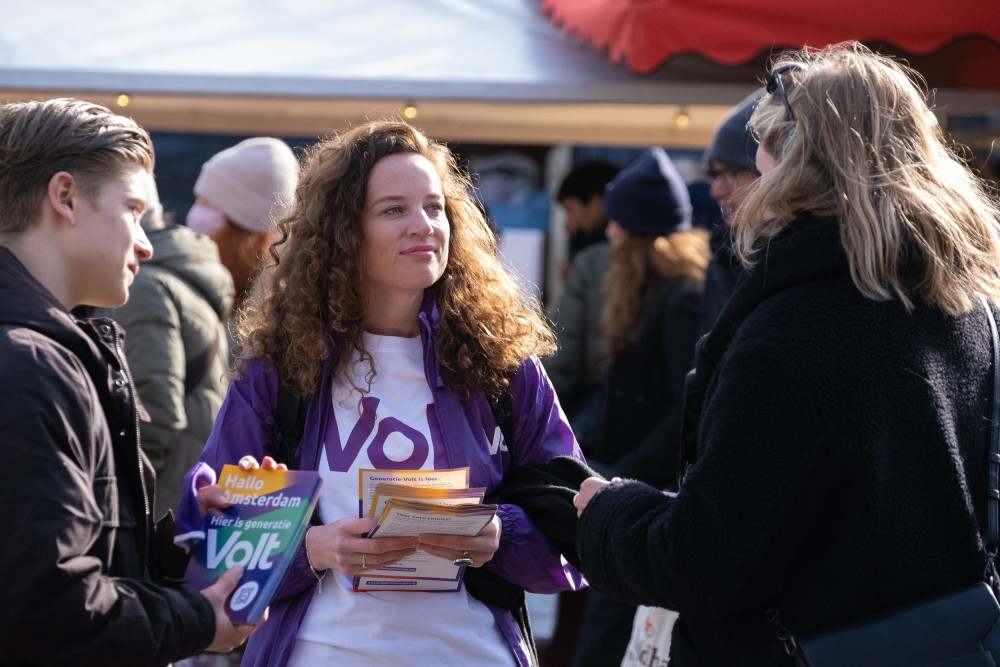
240, 195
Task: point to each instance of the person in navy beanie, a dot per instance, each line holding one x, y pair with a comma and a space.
649, 197
734, 149
731, 164
650, 321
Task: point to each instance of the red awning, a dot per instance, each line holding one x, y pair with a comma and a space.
645, 33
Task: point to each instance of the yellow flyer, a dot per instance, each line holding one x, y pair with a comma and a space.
369, 479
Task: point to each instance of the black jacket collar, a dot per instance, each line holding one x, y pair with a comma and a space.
807, 250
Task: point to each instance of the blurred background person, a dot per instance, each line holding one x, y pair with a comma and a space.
240, 195
850, 373
650, 322
574, 368
652, 294
731, 163
581, 194
176, 345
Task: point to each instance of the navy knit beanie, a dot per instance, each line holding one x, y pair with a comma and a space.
733, 143
648, 197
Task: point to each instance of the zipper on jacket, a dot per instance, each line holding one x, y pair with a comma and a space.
138, 445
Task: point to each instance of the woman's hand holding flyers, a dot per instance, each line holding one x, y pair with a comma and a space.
342, 546
479, 549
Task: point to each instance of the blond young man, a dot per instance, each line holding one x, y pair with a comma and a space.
87, 580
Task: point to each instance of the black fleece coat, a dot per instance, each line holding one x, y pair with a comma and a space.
839, 464
79, 552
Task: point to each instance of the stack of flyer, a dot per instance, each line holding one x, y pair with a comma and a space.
411, 502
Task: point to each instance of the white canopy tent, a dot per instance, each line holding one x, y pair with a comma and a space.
480, 70
475, 71
491, 71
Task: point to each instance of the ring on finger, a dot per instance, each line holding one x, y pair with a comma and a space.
364, 565
464, 560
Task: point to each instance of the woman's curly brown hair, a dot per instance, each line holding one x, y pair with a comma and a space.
312, 286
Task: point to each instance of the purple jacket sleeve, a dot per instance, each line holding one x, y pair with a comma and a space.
190, 526
245, 425
541, 432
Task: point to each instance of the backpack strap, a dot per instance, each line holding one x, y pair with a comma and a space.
491, 588
503, 414
290, 422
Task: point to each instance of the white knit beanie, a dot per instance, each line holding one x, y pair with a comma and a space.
252, 183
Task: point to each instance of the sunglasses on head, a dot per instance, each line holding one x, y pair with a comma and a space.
777, 82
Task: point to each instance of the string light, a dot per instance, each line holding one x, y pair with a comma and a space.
683, 118
123, 100
410, 110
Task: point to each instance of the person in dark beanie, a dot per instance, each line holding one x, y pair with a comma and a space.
574, 368
581, 195
652, 293
731, 160
650, 321
731, 164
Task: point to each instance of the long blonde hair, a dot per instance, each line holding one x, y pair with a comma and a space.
636, 262
313, 284
864, 147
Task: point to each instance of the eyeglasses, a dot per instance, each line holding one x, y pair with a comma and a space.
776, 82
725, 174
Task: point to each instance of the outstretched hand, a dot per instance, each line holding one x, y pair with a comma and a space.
213, 496
588, 489
227, 636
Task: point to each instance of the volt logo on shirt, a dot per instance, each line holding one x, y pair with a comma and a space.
498, 444
387, 435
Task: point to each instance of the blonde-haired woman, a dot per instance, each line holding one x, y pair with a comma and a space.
652, 297
387, 308
839, 412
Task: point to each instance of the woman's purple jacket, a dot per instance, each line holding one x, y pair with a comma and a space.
466, 435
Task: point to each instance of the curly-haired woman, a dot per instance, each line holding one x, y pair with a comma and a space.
387, 307
839, 465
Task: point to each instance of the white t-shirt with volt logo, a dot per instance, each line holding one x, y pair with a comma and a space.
389, 428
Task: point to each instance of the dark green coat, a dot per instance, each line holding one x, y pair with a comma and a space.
177, 346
